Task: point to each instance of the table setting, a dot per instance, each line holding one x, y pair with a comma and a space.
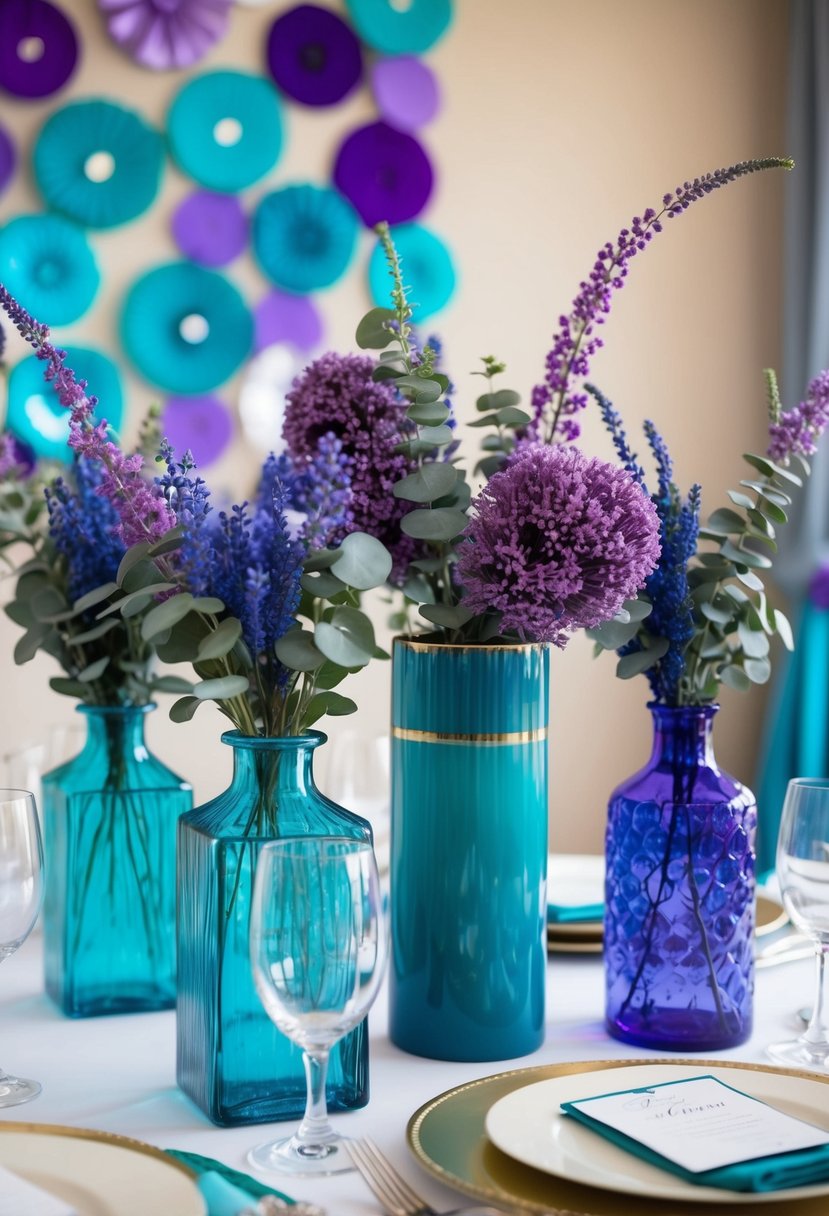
483, 1026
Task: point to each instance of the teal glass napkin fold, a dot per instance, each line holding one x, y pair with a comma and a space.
803, 1167
226, 1191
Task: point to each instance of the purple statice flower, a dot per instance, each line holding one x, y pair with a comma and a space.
335, 395
797, 430
558, 399
142, 510
557, 543
84, 528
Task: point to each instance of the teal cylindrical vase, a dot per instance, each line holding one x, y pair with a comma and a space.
469, 849
109, 818
230, 1058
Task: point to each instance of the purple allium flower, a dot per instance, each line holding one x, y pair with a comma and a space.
576, 340
798, 429
142, 509
557, 543
335, 395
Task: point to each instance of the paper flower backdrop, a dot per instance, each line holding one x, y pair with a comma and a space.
406, 92
185, 328
98, 162
162, 34
38, 48
200, 424
282, 317
211, 229
225, 129
314, 56
304, 237
46, 261
35, 414
400, 28
385, 173
428, 268
8, 158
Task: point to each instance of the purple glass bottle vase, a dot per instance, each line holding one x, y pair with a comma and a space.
679, 895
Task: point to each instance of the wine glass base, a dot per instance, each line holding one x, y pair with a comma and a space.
799, 1053
16, 1090
293, 1156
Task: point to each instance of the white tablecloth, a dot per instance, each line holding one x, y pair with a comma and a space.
118, 1074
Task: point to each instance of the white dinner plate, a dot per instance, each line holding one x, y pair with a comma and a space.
97, 1173
574, 879
529, 1126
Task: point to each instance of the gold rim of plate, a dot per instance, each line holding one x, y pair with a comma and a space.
113, 1138
448, 1138
585, 937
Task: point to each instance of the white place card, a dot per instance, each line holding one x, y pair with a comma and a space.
21, 1198
701, 1124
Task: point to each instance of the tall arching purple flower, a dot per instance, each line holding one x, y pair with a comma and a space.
557, 543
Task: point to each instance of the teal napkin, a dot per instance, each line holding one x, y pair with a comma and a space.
573, 914
225, 1191
803, 1167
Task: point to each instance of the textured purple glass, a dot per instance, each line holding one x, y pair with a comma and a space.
406, 92
201, 425
679, 895
283, 317
162, 34
385, 173
314, 56
8, 158
38, 48
211, 229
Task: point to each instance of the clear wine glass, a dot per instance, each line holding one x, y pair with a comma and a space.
21, 874
318, 950
803, 873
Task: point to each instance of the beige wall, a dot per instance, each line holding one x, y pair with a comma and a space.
561, 121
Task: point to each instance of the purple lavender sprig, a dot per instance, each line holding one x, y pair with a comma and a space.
795, 432
557, 400
142, 510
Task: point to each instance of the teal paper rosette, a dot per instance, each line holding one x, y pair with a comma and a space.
397, 29
225, 130
47, 261
98, 163
428, 267
185, 328
304, 237
35, 414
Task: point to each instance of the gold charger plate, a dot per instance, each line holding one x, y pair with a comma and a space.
100, 1173
447, 1137
586, 937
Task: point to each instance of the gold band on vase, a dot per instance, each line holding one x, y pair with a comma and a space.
497, 739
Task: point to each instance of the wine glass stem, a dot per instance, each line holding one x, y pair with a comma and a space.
315, 1128
817, 1030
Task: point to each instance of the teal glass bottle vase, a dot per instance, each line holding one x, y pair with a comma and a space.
230, 1058
109, 818
468, 849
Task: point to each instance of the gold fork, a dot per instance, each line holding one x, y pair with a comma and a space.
393, 1191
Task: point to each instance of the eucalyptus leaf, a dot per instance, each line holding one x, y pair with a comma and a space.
498, 400
438, 436
784, 629
745, 557
141, 577
323, 703
144, 596
67, 687
611, 635
755, 644
765, 491
296, 650
46, 602
757, 670
223, 688
489, 466
487, 420
135, 554
165, 615
347, 639
330, 675
97, 631
418, 589
638, 661
171, 684
735, 677
321, 559
31, 642
19, 612
431, 481
94, 670
441, 524
183, 709
725, 521
761, 463
741, 500
721, 616
221, 640
169, 543
638, 610
362, 562
95, 597
427, 413
208, 605
445, 615
512, 417
373, 332
749, 579
420, 388
322, 585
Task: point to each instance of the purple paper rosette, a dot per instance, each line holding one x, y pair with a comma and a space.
38, 48
8, 158
406, 92
384, 173
211, 229
201, 425
161, 34
314, 56
282, 317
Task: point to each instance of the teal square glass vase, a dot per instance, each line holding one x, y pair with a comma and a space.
109, 820
230, 1058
